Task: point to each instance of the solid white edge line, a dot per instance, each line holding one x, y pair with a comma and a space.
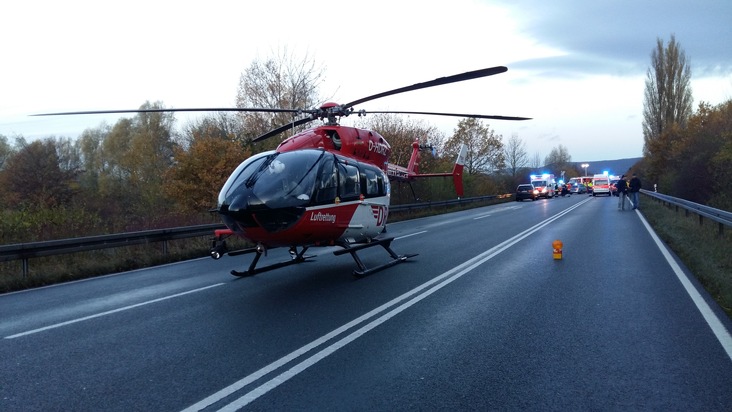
722, 334
469, 264
109, 312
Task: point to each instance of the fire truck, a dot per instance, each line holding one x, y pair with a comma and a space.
545, 184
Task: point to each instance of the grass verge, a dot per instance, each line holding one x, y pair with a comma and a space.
699, 245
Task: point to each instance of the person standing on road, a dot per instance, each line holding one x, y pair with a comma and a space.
635, 185
622, 188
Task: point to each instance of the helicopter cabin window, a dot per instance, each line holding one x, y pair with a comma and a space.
350, 187
328, 182
372, 182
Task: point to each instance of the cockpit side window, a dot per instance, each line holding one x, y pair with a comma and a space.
327, 187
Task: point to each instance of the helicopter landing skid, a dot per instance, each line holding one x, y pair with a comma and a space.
297, 257
362, 269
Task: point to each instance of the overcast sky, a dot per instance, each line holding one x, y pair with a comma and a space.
576, 67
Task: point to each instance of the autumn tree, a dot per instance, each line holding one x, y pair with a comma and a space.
33, 179
89, 145
667, 100
484, 156
224, 125
695, 167
6, 150
720, 171
485, 147
517, 158
151, 148
112, 171
559, 158
126, 163
202, 165
282, 81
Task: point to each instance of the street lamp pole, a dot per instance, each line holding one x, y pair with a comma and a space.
585, 166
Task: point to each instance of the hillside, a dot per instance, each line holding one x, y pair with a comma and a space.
613, 167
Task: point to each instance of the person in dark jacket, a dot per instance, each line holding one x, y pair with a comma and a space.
635, 186
622, 188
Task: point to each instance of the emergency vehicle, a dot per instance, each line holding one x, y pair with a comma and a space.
583, 181
545, 184
601, 185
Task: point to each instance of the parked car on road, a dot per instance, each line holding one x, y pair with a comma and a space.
579, 189
526, 191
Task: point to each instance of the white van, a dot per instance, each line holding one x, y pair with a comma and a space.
545, 184
601, 185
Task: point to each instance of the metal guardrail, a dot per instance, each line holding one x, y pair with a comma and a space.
721, 217
444, 203
26, 251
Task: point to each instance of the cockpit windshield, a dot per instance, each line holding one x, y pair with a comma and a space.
275, 179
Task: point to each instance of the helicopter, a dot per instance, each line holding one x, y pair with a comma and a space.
328, 185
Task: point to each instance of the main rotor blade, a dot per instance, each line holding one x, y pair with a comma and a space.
437, 82
282, 129
219, 109
475, 116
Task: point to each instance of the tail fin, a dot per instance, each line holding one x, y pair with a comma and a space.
457, 170
413, 166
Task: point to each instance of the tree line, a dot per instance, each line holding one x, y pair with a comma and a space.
687, 153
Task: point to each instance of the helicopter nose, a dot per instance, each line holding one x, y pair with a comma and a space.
236, 213
236, 204
241, 202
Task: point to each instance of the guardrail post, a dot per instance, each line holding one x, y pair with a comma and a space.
25, 268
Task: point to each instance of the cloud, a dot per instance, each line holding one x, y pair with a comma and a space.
576, 67
617, 37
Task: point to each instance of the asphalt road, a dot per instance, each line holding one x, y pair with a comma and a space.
483, 318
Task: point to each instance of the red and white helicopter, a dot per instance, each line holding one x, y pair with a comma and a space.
326, 186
